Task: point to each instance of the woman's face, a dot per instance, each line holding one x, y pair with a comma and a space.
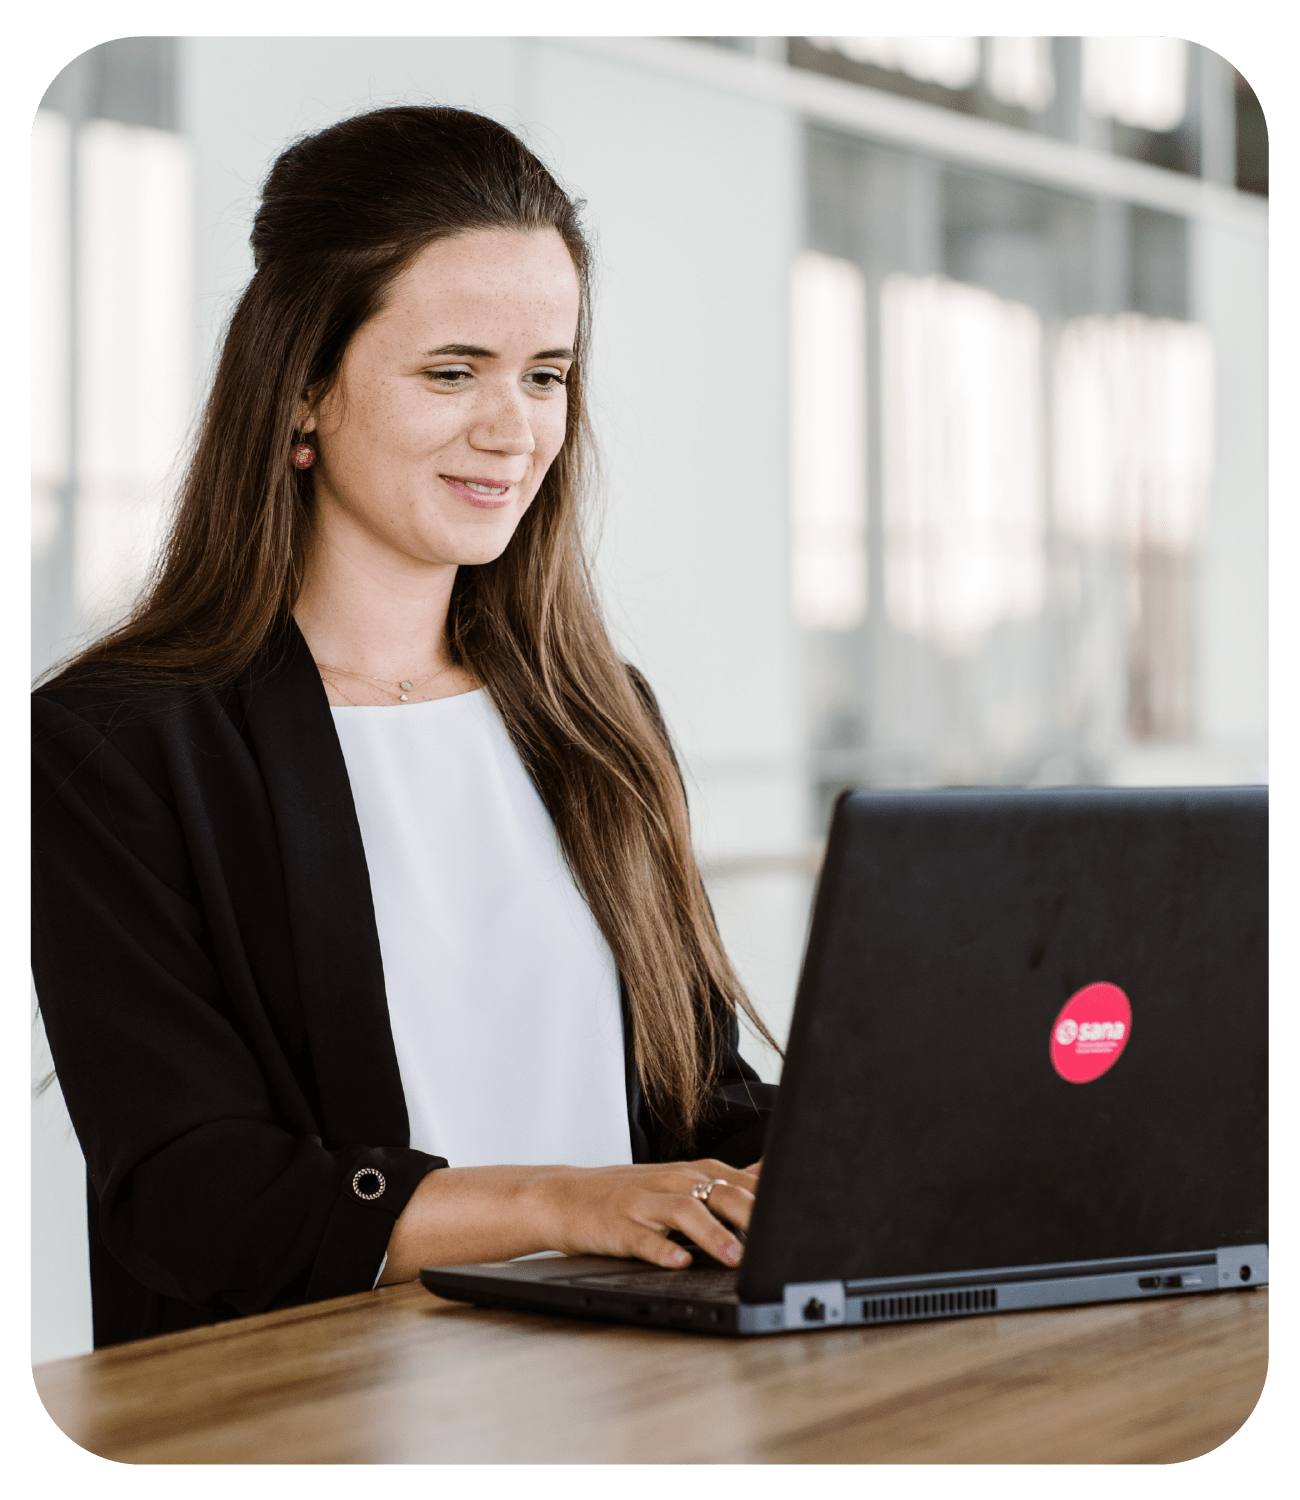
450, 403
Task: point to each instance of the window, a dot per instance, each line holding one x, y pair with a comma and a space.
112, 376
1010, 593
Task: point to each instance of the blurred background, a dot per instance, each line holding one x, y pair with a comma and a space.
929, 375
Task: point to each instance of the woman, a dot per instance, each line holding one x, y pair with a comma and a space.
364, 891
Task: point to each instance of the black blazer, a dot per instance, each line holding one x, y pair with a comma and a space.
208, 968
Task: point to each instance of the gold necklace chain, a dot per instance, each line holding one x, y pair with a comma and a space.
402, 693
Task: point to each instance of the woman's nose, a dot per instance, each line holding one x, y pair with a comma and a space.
503, 425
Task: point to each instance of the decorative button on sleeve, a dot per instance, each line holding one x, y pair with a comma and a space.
369, 1184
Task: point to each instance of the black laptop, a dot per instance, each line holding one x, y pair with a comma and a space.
1027, 1068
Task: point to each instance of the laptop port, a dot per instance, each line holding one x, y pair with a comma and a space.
1149, 1283
1245, 1273
1172, 1281
814, 1311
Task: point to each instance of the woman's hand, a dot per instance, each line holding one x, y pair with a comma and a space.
463, 1214
628, 1210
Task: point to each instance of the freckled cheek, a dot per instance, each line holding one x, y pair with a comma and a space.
549, 439
373, 433
419, 431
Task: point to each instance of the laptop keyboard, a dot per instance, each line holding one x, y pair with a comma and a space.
711, 1284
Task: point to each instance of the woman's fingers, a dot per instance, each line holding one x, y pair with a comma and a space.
710, 1233
650, 1244
733, 1193
732, 1202
672, 1211
629, 1210
746, 1177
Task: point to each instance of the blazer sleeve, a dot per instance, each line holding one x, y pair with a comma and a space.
735, 1129
212, 1186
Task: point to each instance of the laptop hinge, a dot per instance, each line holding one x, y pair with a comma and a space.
814, 1304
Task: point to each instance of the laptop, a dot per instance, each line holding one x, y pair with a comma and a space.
1027, 1067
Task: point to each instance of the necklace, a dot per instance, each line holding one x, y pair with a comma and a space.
402, 693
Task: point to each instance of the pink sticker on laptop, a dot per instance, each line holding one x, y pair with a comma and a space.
1090, 1032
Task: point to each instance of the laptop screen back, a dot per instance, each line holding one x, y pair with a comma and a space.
927, 1121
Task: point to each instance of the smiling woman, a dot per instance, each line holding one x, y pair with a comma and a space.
428, 457
368, 934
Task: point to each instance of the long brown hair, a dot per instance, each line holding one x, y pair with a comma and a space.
342, 214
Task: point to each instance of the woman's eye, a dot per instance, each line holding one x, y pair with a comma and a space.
450, 375
546, 380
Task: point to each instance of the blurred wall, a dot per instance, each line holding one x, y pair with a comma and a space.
1230, 297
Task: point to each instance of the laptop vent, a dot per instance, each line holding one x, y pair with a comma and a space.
929, 1305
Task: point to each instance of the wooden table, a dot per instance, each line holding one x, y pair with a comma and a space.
399, 1376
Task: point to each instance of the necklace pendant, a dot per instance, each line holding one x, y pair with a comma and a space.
405, 686
403, 697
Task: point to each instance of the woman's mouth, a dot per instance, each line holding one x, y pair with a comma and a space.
486, 494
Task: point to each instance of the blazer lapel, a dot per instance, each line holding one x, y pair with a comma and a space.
327, 890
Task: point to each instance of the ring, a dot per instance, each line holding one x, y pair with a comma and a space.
701, 1190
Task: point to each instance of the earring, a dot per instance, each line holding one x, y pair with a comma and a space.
304, 456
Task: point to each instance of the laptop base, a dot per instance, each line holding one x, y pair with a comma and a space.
628, 1291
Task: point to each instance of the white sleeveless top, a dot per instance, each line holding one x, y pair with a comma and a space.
502, 992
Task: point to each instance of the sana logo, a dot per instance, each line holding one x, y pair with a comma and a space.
1090, 1032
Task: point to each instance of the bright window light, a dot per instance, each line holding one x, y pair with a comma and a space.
828, 442
1138, 80
1133, 430
51, 276
1020, 71
1133, 423
962, 459
134, 375
953, 61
